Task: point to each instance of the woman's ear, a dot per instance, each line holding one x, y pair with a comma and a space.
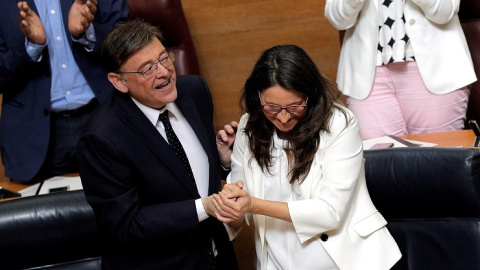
118, 81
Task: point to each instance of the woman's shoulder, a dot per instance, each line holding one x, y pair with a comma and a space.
241, 138
342, 114
243, 121
342, 120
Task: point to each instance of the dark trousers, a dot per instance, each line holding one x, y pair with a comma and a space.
65, 130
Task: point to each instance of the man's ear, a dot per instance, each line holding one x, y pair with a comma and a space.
118, 81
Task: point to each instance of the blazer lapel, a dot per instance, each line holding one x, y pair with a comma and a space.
257, 176
189, 110
31, 4
134, 119
193, 116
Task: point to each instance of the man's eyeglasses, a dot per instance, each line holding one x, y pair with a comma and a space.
275, 109
152, 69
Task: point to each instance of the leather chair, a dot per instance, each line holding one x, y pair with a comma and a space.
169, 17
430, 199
54, 231
429, 196
469, 15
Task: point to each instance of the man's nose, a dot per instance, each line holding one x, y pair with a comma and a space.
161, 71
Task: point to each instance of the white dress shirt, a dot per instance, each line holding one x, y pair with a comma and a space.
280, 234
193, 148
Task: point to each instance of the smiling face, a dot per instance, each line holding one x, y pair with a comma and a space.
277, 95
154, 92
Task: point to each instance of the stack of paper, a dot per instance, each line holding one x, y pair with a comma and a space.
396, 141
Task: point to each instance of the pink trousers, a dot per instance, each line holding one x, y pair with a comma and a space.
400, 104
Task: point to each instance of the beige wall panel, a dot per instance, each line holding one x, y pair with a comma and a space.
229, 36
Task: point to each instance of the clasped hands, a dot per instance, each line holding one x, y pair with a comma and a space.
231, 204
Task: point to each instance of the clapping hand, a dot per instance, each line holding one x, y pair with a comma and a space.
81, 16
30, 24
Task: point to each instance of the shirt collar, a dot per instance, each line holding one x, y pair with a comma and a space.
153, 114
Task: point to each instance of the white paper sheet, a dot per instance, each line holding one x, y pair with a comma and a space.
367, 144
49, 185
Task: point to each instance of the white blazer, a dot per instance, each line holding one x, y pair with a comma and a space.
335, 202
437, 39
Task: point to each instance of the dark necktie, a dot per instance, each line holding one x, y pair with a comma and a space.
175, 142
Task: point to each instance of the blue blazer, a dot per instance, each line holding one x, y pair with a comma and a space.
141, 193
25, 85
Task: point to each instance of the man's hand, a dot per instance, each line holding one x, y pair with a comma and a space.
209, 206
225, 139
81, 16
232, 203
30, 24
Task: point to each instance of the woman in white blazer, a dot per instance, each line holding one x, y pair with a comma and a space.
297, 169
404, 64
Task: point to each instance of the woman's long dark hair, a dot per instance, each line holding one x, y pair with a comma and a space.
290, 67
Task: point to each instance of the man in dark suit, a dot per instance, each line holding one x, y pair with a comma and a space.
51, 79
152, 203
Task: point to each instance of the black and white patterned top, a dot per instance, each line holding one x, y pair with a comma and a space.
393, 41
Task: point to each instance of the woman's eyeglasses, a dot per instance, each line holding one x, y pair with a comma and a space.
275, 109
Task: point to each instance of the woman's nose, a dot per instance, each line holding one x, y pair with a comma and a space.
283, 116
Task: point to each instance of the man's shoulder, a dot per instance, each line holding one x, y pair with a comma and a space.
194, 86
107, 113
190, 80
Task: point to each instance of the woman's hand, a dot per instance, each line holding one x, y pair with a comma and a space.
232, 203
225, 139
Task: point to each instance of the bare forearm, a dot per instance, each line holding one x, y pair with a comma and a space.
233, 203
237, 223
272, 209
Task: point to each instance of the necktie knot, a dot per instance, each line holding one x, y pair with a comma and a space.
164, 118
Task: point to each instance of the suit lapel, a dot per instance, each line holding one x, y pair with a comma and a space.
135, 120
31, 4
189, 110
193, 116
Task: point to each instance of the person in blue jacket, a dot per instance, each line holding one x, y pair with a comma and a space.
51, 79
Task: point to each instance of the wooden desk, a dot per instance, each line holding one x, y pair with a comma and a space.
14, 186
463, 138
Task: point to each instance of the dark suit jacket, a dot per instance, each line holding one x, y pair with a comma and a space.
25, 84
140, 191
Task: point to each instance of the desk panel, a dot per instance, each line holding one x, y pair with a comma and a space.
464, 138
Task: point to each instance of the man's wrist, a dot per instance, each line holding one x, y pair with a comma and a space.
201, 210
